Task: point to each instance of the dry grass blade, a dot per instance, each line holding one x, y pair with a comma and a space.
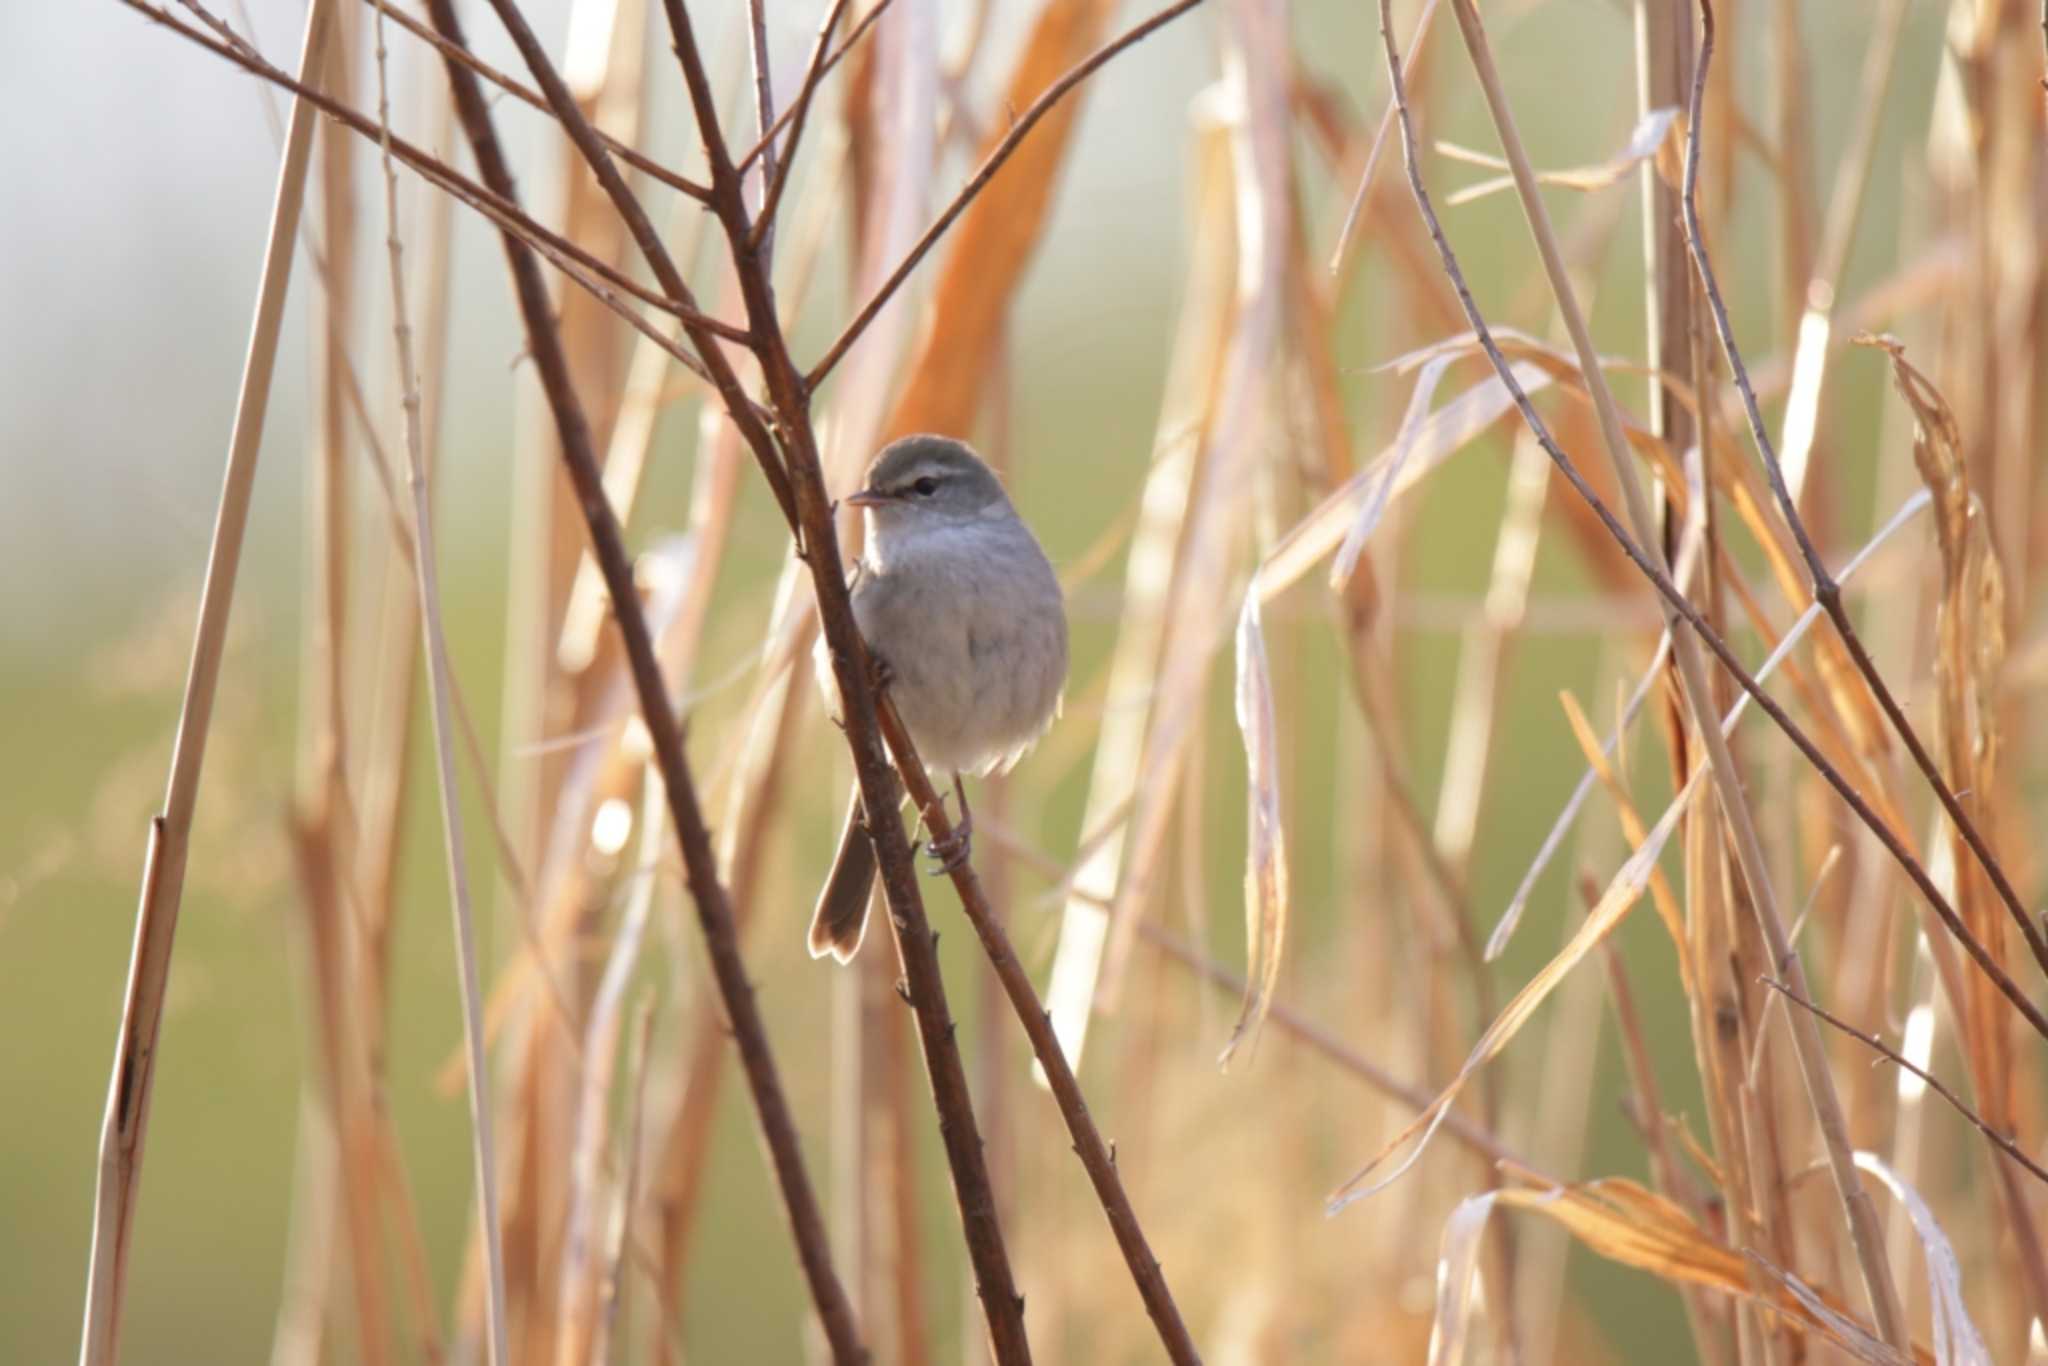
1628, 883
1615, 902
125, 1125
1646, 142
1826, 590
438, 689
1151, 573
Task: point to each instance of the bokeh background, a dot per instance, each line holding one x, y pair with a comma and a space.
140, 175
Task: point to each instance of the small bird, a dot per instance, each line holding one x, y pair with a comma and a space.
963, 615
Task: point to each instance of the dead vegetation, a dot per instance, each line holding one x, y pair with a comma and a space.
1854, 877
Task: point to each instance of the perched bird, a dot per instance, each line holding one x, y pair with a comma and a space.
964, 618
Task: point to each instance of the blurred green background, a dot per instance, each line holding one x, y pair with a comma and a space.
130, 238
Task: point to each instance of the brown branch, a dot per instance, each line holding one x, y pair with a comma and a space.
817, 544
507, 216
763, 237
778, 174
714, 913
1826, 591
648, 240
990, 164
527, 95
1095, 1155
1998, 1140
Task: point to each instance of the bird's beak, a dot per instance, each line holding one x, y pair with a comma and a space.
869, 498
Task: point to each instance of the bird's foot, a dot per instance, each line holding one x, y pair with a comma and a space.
951, 851
881, 673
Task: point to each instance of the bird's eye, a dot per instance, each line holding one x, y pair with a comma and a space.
925, 487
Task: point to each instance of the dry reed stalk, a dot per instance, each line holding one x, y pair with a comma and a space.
1151, 572
438, 689
584, 1269
1826, 591
1861, 1216
992, 243
714, 912
125, 1126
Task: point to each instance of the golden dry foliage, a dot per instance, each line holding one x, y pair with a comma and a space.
1318, 517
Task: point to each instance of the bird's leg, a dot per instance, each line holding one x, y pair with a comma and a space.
880, 672
952, 851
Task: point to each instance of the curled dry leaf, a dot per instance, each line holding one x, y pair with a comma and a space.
1265, 872
1956, 1339
1627, 1223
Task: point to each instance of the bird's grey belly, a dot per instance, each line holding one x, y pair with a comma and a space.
977, 660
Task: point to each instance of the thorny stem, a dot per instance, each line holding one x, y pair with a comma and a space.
762, 239
1865, 1234
714, 912
1826, 591
818, 545
1031, 1013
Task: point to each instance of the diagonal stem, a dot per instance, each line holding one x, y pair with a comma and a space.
125, 1126
984, 173
714, 911
1826, 591
1095, 1155
817, 541
1865, 1233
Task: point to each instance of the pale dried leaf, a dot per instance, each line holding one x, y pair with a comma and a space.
1956, 1339
1265, 872
1651, 132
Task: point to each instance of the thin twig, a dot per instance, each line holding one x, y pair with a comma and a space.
775, 129
714, 913
1826, 591
777, 174
763, 238
990, 164
1095, 1155
438, 674
1998, 1140
818, 546
125, 1125
1866, 1234
639, 161
716, 365
508, 217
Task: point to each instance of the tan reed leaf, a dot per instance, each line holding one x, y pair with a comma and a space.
1627, 1223
993, 242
